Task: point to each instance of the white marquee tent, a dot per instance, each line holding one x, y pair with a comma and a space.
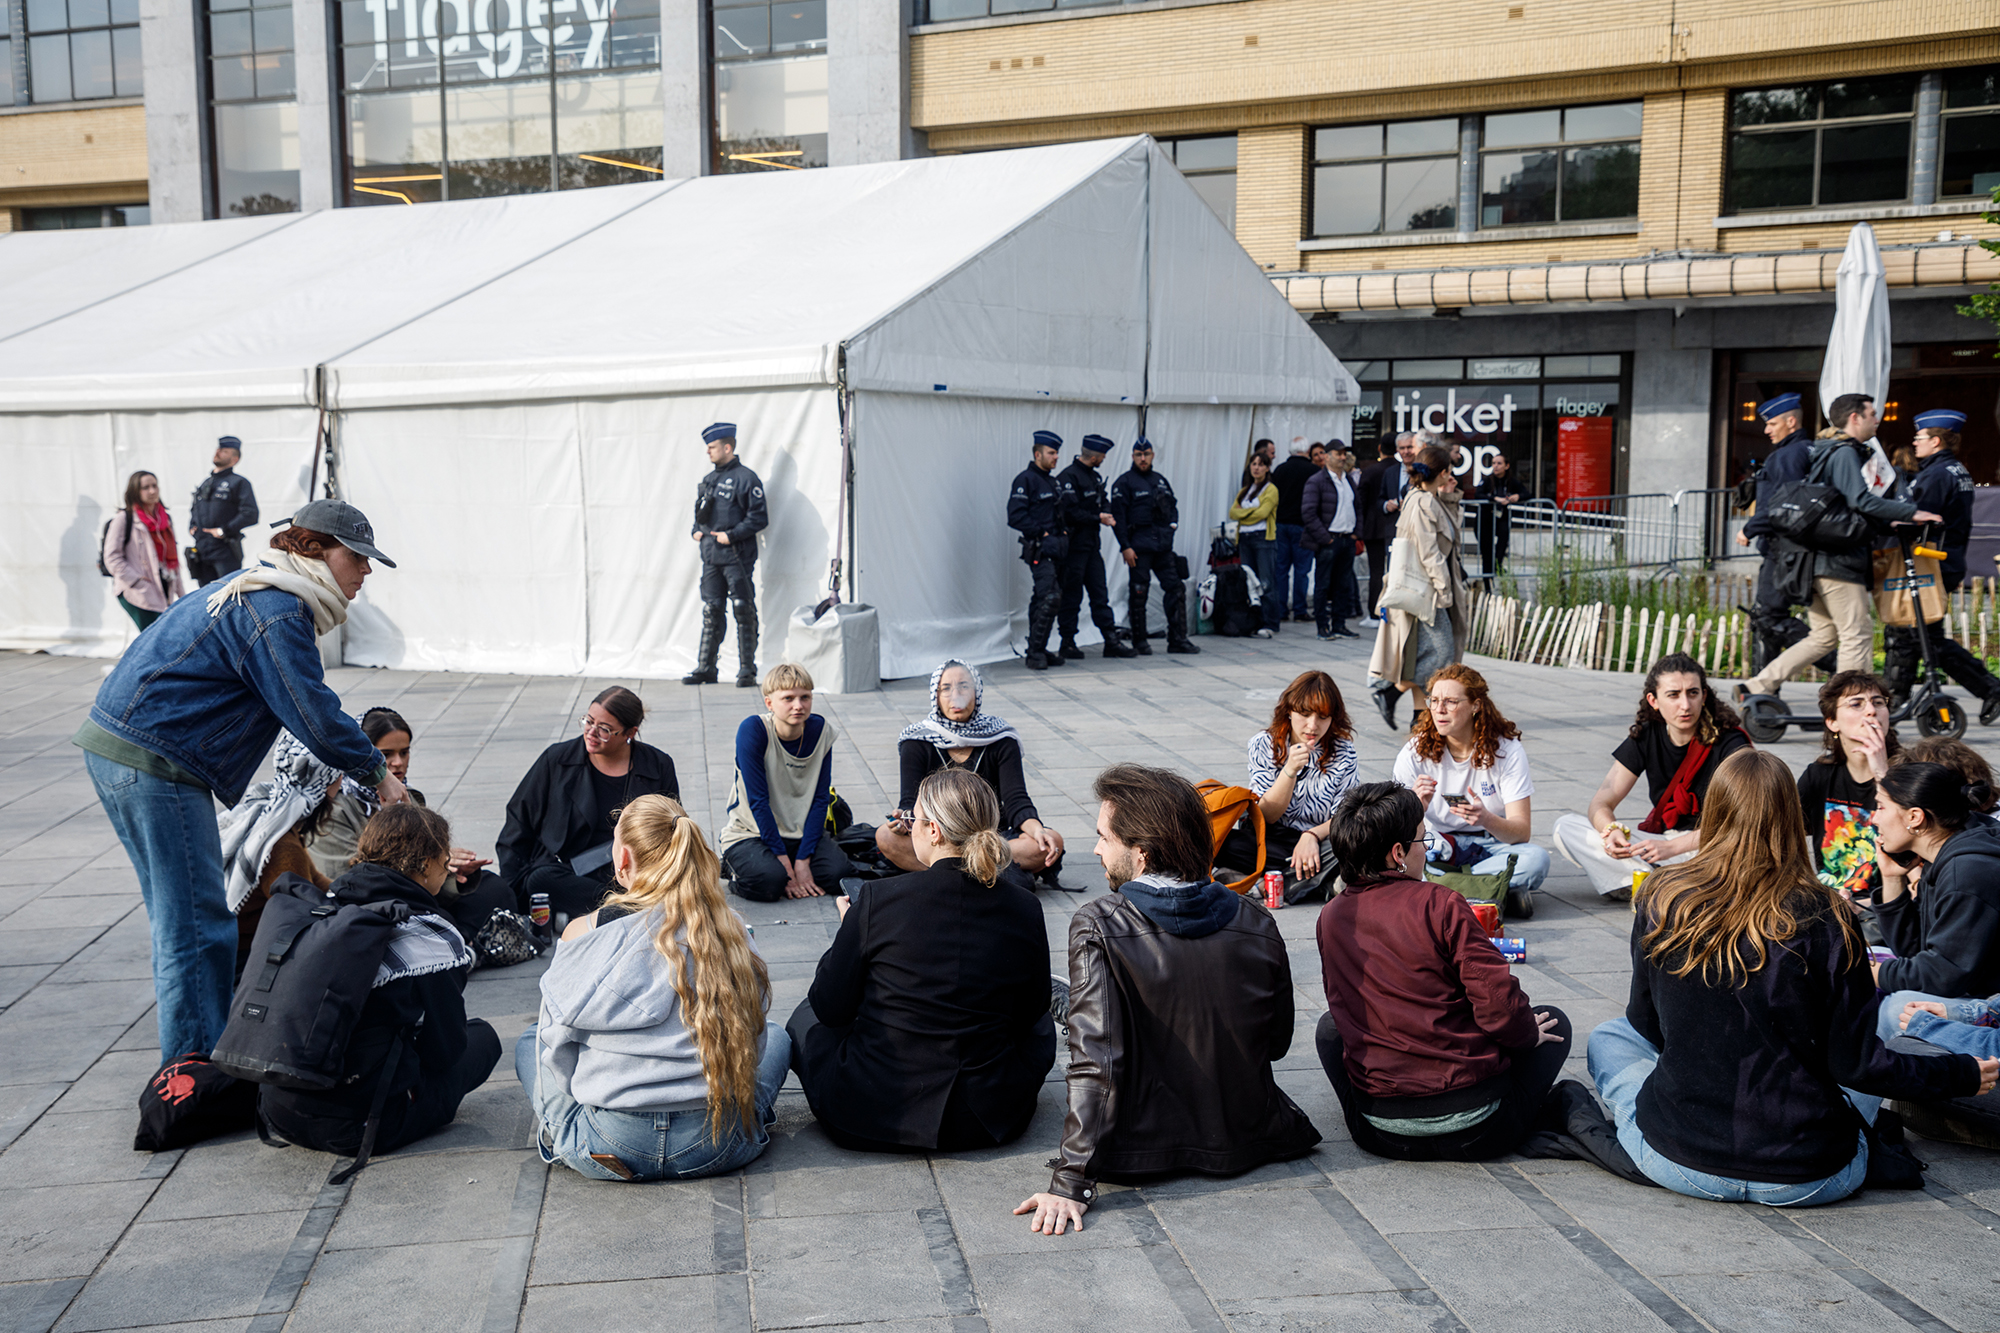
514, 390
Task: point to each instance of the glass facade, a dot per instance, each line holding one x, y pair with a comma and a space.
85, 215
253, 107
1495, 405
1209, 163
1398, 176
940, 11
454, 99
1969, 156
1821, 144
79, 50
770, 85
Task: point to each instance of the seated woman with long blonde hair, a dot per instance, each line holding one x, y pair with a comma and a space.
652, 1059
1747, 1058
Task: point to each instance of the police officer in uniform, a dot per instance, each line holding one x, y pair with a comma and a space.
1144, 515
1038, 510
224, 507
1087, 508
1944, 487
728, 515
1776, 628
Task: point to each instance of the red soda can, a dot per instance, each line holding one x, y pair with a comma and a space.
1489, 917
1274, 889
538, 909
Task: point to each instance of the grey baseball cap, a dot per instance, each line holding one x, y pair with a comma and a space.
342, 522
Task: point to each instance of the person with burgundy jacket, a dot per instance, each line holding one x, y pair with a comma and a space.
1428, 1040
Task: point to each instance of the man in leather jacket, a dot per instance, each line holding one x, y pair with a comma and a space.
1180, 999
729, 512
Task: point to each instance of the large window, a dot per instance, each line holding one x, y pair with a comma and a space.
453, 99
1578, 164
770, 85
1969, 163
1209, 163
81, 50
1398, 176
939, 11
85, 215
252, 91
7, 89
1820, 144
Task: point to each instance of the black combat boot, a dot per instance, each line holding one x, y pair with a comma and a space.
711, 645
1177, 629
746, 650
1136, 613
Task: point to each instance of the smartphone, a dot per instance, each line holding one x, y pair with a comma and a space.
1457, 798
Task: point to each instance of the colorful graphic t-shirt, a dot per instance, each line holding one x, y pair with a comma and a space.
1840, 823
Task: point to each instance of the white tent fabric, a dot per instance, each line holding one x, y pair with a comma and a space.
1857, 353
516, 387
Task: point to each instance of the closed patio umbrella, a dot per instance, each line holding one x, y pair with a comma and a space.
1857, 355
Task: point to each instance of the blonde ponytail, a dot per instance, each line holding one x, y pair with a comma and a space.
724, 987
967, 814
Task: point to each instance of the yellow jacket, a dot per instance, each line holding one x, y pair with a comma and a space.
1263, 509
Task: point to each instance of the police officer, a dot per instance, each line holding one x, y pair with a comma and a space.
1144, 515
1087, 507
728, 515
1038, 510
1943, 486
224, 507
1791, 453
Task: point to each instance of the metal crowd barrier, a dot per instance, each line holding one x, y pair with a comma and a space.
1643, 530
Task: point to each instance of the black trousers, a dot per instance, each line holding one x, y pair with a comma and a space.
731, 583
569, 893
755, 874
1148, 564
422, 1111
1900, 660
1333, 583
1044, 598
1083, 572
959, 1130
1520, 1091
1378, 570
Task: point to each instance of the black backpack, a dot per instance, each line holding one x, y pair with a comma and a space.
104, 532
312, 966
1815, 514
1233, 615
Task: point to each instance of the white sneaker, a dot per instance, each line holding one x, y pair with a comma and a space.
1262, 634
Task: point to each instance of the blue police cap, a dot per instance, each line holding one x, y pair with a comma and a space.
1777, 407
231, 442
724, 430
1142, 444
1095, 444
1049, 438
1940, 418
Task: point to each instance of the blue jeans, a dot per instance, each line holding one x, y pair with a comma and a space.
1531, 863
1890, 1010
1620, 1063
169, 832
1262, 556
654, 1145
1955, 1033
1294, 571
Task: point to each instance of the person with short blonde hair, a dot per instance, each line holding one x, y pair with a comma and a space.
775, 840
651, 1058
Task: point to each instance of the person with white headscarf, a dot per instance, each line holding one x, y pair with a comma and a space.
958, 735
264, 835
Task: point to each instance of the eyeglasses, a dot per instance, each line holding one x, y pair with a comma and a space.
591, 728
1438, 701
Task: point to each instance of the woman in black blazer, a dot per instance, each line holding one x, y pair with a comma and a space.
928, 1023
559, 821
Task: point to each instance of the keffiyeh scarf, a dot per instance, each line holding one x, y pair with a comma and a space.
252, 827
308, 580
421, 945
976, 731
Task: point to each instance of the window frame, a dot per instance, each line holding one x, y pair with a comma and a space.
1171, 147
721, 161
1817, 125
218, 207
1948, 113
1382, 159
29, 35
1560, 147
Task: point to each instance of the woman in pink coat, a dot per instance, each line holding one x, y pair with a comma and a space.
139, 551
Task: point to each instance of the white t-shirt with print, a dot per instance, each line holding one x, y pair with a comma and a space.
1507, 780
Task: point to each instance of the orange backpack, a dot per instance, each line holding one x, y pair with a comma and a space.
1226, 806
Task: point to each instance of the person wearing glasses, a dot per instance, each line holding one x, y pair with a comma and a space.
560, 819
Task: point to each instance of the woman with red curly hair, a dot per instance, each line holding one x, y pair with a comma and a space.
1466, 763
1300, 767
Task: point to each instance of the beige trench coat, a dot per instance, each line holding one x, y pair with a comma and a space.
1427, 530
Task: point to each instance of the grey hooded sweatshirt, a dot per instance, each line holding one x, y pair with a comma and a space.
611, 1031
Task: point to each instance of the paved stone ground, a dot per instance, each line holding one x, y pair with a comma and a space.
470, 1231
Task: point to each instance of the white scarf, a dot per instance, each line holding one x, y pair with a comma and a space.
308, 580
250, 829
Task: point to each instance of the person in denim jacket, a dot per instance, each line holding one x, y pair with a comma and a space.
1969, 1027
185, 718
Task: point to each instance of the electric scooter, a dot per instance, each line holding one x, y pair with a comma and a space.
1765, 716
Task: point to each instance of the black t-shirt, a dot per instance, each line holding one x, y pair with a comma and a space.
1657, 759
1840, 824
610, 794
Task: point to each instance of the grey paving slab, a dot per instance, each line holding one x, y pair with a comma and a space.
237, 1176
1430, 1196
842, 1268
64, 1230
1803, 1299
1375, 1312
443, 1287
679, 1220
1663, 1233
1082, 1289
1242, 1245
686, 1304
1938, 1258
164, 1272
440, 1196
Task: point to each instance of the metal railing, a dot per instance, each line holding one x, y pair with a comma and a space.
1656, 531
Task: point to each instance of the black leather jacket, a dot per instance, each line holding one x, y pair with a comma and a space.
1171, 1041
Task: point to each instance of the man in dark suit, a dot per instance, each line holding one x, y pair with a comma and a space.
1380, 485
